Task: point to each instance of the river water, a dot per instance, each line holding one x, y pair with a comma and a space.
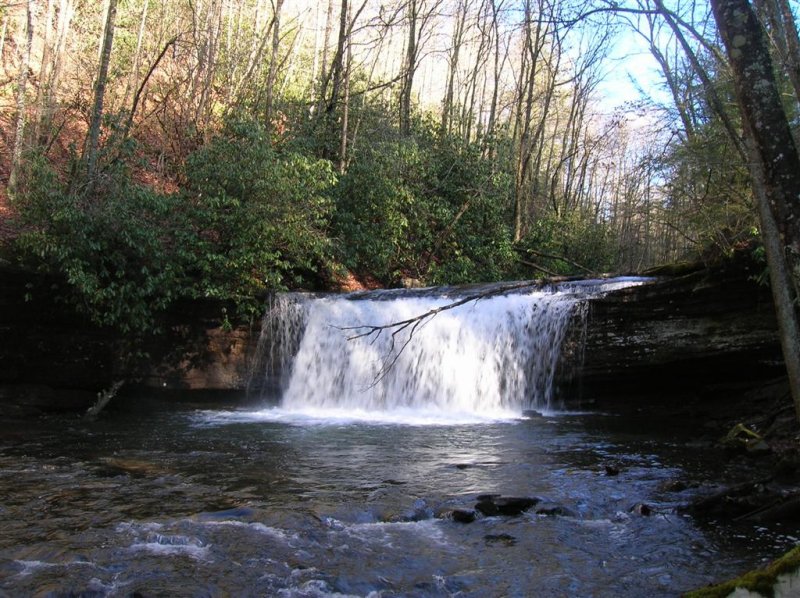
343, 484
187, 501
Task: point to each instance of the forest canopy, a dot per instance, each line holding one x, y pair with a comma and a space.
156, 151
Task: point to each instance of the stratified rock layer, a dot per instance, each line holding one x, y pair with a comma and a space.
711, 328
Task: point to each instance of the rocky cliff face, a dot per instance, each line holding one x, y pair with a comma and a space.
44, 346
51, 357
712, 328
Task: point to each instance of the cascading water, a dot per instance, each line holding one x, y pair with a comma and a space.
374, 353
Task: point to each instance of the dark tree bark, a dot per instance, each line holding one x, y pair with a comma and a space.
409, 69
338, 68
775, 166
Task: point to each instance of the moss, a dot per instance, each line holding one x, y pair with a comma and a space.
761, 580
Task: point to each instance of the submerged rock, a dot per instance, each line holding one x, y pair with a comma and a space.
761, 501
554, 510
463, 515
505, 539
492, 504
642, 509
532, 414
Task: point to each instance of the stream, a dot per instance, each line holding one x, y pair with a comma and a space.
184, 500
347, 475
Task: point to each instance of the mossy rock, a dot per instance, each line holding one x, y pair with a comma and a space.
761, 581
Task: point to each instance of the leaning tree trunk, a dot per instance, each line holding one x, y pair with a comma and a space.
775, 164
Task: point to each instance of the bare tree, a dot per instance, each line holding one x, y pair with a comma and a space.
21, 100
418, 16
273, 59
460, 19
93, 137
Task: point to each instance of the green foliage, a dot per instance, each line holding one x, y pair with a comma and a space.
561, 243
252, 219
112, 245
709, 186
423, 209
259, 216
707, 183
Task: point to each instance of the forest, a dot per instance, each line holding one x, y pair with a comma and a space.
159, 151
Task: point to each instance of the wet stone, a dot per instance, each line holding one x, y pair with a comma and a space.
504, 539
491, 505
641, 509
463, 515
554, 510
532, 414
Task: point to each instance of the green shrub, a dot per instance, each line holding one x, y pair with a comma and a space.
113, 245
569, 244
426, 209
251, 220
259, 217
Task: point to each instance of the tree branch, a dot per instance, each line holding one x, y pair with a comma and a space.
375, 330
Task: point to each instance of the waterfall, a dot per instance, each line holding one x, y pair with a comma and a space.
373, 352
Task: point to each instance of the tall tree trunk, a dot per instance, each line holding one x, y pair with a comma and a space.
211, 47
44, 70
66, 10
21, 100
106, 5
273, 61
337, 68
535, 39
3, 30
409, 68
452, 71
345, 113
322, 87
497, 72
711, 95
775, 164
93, 138
792, 59
133, 76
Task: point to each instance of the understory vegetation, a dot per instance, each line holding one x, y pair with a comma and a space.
169, 151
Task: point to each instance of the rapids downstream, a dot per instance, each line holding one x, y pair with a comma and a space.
342, 478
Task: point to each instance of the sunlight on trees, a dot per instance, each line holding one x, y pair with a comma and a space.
456, 139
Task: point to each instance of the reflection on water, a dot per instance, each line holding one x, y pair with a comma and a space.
185, 502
